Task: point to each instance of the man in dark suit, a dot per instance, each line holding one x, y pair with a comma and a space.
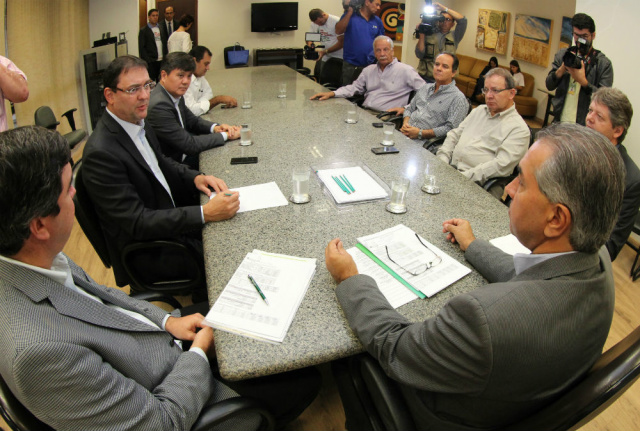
610, 113
493, 356
139, 193
83, 356
183, 135
152, 44
168, 23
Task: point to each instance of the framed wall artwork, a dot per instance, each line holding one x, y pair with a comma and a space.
566, 34
532, 39
392, 15
493, 28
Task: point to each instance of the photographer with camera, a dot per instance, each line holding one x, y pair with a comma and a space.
325, 24
435, 36
360, 26
577, 72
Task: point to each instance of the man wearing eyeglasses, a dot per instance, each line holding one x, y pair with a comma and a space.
493, 138
577, 72
182, 135
492, 356
442, 39
139, 193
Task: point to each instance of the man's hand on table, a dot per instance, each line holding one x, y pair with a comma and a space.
459, 230
339, 263
323, 96
233, 132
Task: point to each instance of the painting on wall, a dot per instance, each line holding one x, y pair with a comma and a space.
566, 34
493, 27
532, 39
392, 16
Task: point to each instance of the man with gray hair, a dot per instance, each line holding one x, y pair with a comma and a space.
610, 113
385, 85
482, 362
493, 138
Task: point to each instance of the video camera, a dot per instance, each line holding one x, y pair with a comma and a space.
310, 52
430, 20
575, 55
355, 4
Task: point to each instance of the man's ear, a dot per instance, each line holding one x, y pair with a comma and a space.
559, 221
39, 228
618, 131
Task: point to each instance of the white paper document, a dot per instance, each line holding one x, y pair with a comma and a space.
411, 255
240, 308
510, 244
363, 186
259, 196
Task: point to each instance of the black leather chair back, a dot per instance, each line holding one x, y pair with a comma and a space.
331, 74
44, 117
88, 217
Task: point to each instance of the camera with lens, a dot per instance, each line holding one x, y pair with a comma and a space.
355, 4
429, 21
575, 55
309, 51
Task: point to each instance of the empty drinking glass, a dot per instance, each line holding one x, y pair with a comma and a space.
399, 189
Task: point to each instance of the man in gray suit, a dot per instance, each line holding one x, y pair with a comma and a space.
493, 356
182, 135
81, 356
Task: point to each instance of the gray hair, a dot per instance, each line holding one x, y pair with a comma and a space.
383, 37
586, 174
498, 71
620, 109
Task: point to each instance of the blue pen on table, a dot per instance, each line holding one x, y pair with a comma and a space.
258, 289
228, 194
342, 186
344, 178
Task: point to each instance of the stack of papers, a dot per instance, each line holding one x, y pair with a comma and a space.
363, 186
394, 280
240, 308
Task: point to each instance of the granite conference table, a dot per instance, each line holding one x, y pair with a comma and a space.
299, 132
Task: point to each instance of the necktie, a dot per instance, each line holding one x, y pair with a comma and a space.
169, 25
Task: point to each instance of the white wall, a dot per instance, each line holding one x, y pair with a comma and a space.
222, 24
115, 16
615, 21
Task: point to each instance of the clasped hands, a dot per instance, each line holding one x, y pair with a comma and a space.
233, 132
192, 328
342, 266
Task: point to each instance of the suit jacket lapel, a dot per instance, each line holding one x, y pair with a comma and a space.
68, 302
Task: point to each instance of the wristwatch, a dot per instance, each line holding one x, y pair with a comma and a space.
420, 134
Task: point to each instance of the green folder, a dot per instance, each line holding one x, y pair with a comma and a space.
384, 266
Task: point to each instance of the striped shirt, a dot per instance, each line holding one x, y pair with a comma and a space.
441, 111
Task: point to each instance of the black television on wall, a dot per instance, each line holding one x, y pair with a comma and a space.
270, 17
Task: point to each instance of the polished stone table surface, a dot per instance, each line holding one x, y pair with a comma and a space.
298, 132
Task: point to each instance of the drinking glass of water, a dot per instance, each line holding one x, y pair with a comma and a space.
387, 133
283, 90
300, 183
399, 189
245, 135
246, 100
351, 114
429, 185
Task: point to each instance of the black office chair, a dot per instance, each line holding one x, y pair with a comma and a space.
90, 223
370, 394
44, 117
635, 268
18, 418
331, 74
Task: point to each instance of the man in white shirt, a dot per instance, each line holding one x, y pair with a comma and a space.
493, 138
325, 24
199, 97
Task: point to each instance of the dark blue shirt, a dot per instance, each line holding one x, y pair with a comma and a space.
358, 39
